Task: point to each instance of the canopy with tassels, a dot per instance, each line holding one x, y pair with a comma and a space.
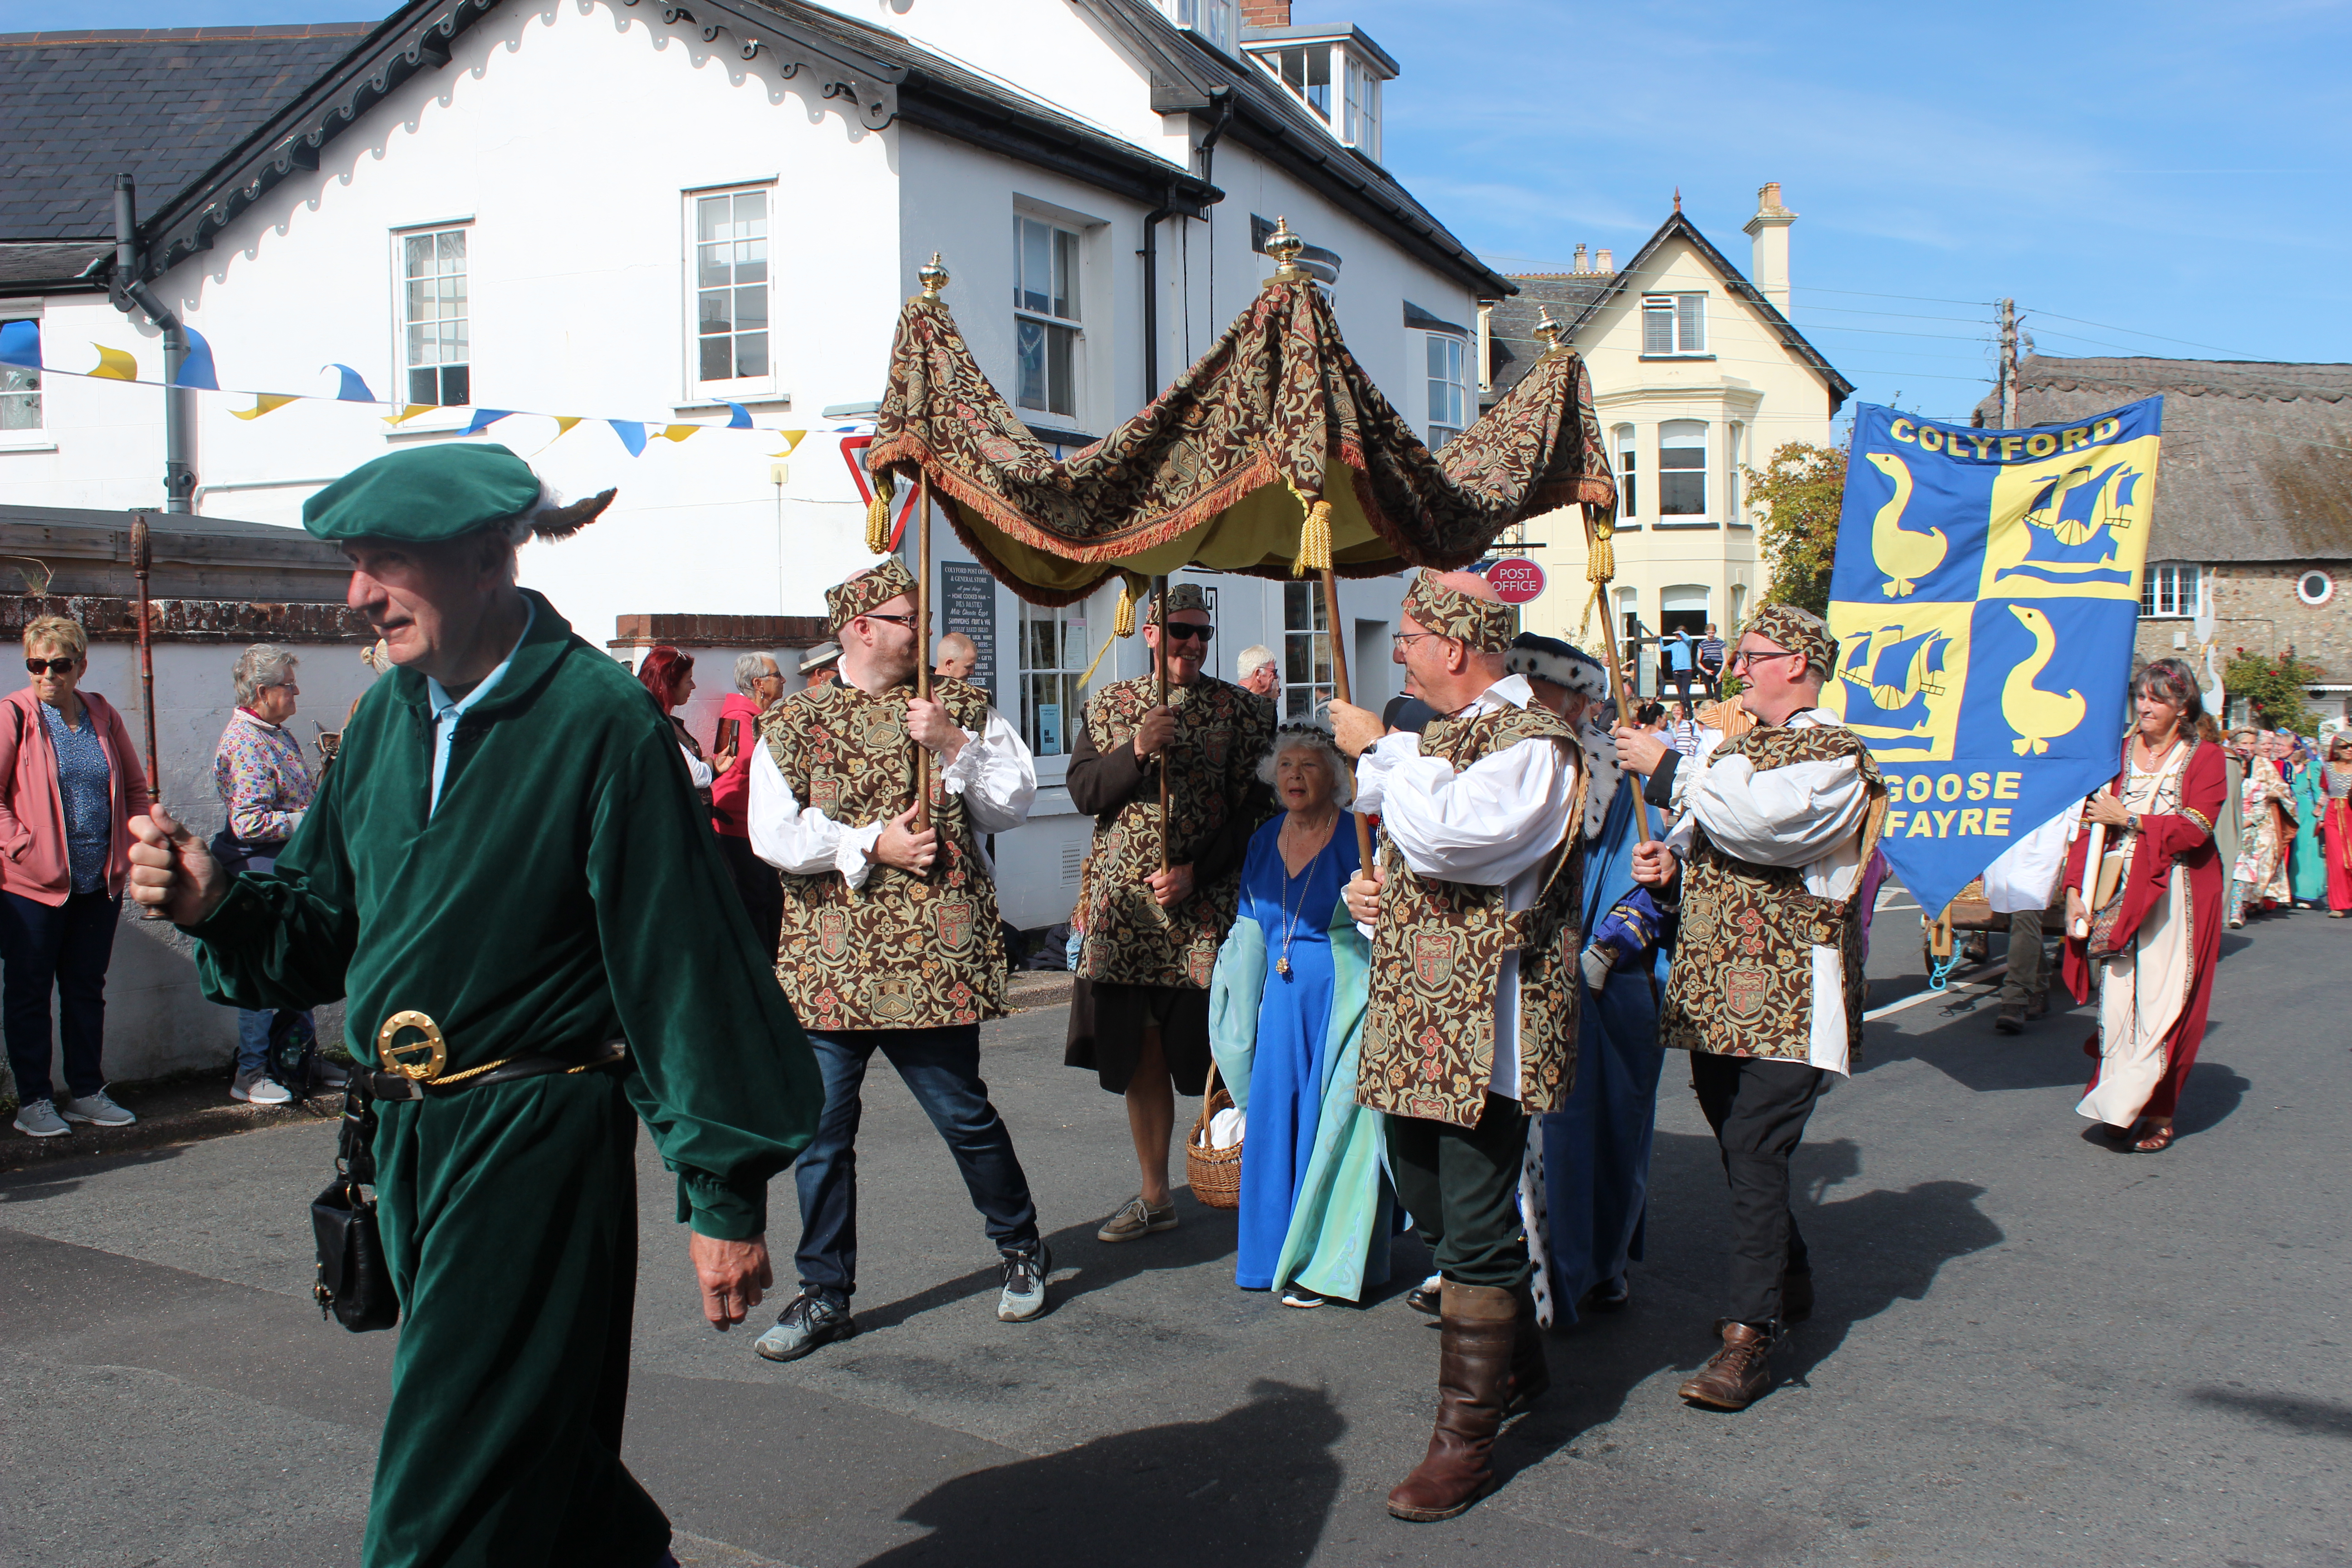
1273, 455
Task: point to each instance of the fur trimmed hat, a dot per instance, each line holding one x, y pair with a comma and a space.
1563, 664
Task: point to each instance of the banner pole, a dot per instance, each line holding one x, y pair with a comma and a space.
1159, 665
1593, 540
1340, 689
923, 640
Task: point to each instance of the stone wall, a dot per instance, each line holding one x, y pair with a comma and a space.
2255, 608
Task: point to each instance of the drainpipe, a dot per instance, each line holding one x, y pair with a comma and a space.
1222, 97
179, 404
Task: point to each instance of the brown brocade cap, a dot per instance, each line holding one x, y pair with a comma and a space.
1482, 626
866, 592
1799, 631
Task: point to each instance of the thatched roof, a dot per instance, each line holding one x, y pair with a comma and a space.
2257, 462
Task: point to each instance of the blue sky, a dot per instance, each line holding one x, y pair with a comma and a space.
2156, 178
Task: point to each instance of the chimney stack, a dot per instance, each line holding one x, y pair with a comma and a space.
1604, 260
1579, 265
1768, 264
1265, 13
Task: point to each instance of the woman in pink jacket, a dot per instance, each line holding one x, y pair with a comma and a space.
70, 781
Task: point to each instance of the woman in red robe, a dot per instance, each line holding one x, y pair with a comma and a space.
2336, 827
2158, 980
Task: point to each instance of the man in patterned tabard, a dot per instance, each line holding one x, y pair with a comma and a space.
1474, 914
1766, 991
1139, 1011
890, 939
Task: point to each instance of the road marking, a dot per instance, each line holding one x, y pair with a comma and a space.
1995, 973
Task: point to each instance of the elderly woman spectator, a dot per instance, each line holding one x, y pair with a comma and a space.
2336, 822
759, 687
1286, 1010
2153, 917
70, 781
669, 675
266, 786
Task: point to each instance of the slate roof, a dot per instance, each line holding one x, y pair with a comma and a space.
1590, 291
2256, 463
1512, 346
164, 103
1187, 75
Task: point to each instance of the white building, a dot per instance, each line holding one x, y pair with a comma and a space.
1697, 375
632, 212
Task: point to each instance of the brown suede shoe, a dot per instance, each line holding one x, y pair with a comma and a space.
1739, 1374
1479, 1332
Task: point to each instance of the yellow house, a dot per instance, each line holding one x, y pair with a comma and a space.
1697, 374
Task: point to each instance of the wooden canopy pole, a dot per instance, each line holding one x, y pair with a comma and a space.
143, 557
1595, 539
1340, 688
923, 640
1160, 668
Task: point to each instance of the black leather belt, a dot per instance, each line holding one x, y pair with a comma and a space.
401, 1083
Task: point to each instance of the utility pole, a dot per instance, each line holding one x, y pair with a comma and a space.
2008, 364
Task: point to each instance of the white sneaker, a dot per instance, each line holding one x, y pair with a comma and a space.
95, 1109
259, 1088
39, 1118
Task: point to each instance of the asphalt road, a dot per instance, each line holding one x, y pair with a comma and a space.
2029, 1348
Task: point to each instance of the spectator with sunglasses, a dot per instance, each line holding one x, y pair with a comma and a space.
71, 780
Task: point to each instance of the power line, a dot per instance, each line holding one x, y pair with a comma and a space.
2136, 333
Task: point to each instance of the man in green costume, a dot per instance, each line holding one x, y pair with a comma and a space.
508, 876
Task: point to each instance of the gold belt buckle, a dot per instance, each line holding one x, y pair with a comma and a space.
394, 1057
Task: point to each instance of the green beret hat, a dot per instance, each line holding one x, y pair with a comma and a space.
424, 494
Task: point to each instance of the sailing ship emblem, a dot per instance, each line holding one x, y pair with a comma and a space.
2074, 520
1889, 677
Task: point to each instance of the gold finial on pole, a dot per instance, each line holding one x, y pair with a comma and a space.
933, 276
1285, 246
1549, 331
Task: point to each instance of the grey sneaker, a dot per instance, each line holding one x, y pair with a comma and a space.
39, 1118
807, 1321
1137, 1218
1024, 1284
258, 1088
95, 1109
325, 1074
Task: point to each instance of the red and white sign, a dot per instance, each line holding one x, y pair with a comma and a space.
1517, 579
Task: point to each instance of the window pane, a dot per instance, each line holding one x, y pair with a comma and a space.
455, 387
1691, 312
452, 249
716, 359
1066, 275
1036, 266
751, 354
417, 254
751, 213
1030, 375
751, 261
713, 313
1682, 494
1062, 344
751, 309
1658, 328
711, 218
424, 386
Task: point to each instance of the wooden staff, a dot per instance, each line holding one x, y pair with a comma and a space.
1340, 687
1616, 675
923, 640
141, 562
1160, 619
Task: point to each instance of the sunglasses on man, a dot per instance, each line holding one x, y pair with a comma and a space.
54, 666
1182, 631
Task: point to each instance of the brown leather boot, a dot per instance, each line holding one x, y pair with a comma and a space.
1530, 1372
1739, 1374
1478, 1325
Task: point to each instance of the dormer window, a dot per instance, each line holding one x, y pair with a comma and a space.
1217, 21
1337, 75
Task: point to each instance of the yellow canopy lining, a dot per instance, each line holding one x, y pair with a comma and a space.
1260, 530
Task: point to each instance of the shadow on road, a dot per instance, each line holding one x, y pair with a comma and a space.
2315, 1418
1252, 1487
2208, 1098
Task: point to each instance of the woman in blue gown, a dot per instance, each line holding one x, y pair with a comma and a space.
1286, 1010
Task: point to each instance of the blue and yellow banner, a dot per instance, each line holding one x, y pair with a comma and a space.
1984, 599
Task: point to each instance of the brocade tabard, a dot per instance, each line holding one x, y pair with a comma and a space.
904, 951
1742, 983
1437, 960
1222, 731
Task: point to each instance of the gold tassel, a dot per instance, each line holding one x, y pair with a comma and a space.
1314, 541
1131, 589
1600, 562
877, 515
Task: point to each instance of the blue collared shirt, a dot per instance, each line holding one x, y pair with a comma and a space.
447, 711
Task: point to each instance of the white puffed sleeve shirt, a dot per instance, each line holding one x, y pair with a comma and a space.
994, 773
1493, 825
1807, 813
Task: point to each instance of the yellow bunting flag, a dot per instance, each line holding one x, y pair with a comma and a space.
791, 438
263, 402
564, 424
679, 432
113, 364
410, 412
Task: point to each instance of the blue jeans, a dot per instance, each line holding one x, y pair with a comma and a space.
63, 948
253, 1030
940, 1066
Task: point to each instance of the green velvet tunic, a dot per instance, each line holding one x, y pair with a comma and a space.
566, 891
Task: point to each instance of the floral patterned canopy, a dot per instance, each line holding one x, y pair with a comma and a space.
1224, 470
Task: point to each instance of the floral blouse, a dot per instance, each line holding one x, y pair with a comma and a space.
261, 774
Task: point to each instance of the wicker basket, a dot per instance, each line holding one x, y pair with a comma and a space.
1215, 1174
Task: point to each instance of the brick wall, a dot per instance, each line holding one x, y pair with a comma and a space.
1265, 13
766, 632
111, 619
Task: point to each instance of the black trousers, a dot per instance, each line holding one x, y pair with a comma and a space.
1460, 1184
63, 948
1758, 1107
758, 888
